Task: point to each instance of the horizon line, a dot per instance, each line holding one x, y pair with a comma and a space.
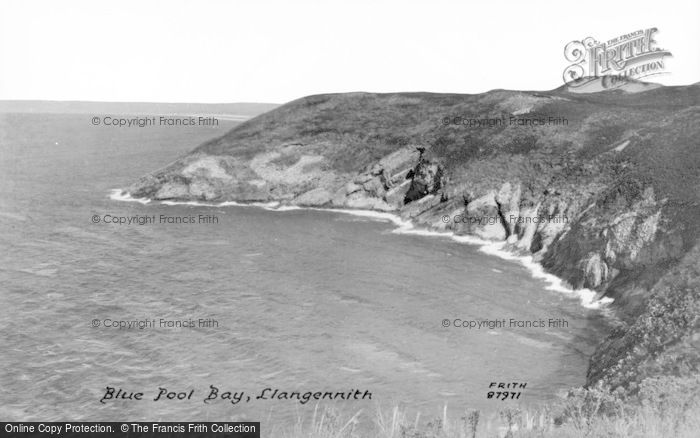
307, 95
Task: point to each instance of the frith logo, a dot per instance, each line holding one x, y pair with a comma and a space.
630, 56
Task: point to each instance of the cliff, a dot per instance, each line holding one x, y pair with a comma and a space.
601, 188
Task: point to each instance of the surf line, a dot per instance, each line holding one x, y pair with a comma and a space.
587, 297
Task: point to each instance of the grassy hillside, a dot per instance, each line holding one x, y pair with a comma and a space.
360, 128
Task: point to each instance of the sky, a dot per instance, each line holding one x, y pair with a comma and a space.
275, 51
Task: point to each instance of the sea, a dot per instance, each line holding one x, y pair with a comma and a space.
200, 312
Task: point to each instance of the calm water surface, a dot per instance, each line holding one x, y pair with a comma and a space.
304, 300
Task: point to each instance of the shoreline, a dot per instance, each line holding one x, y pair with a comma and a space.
586, 297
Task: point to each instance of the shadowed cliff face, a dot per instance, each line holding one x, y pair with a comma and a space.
603, 189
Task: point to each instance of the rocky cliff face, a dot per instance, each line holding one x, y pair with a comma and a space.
602, 189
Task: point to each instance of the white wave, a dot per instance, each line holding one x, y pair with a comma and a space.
266, 205
192, 203
371, 214
587, 297
124, 196
283, 208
